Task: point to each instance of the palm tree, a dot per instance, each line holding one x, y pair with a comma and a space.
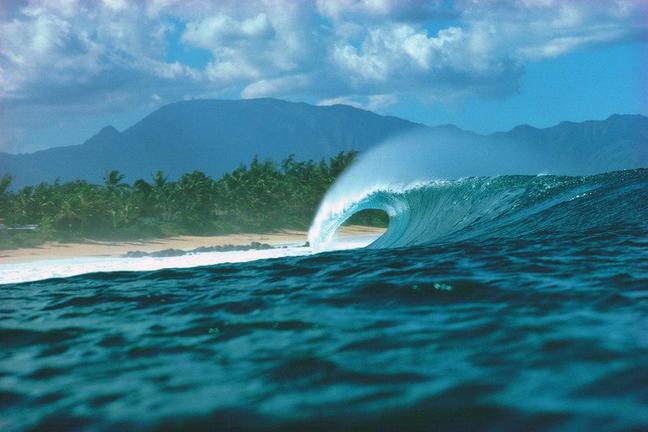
260, 196
115, 196
5, 182
159, 180
161, 192
114, 180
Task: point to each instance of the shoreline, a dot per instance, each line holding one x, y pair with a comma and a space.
90, 248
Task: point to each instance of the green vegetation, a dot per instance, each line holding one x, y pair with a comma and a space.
261, 197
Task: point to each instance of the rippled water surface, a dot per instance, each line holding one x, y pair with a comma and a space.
531, 330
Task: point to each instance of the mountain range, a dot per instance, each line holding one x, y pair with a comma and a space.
215, 136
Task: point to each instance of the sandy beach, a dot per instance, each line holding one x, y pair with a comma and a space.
56, 250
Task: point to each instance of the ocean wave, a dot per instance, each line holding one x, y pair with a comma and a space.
424, 212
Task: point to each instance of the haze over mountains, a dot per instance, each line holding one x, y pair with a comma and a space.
215, 136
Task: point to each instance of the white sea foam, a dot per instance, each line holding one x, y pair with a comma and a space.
45, 269
54, 268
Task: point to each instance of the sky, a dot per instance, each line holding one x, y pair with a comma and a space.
70, 67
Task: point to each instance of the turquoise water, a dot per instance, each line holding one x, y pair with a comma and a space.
524, 308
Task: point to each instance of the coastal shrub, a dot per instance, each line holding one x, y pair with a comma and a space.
259, 197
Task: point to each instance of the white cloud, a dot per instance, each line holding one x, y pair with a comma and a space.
400, 49
342, 100
115, 5
231, 71
276, 86
214, 31
380, 101
371, 103
64, 49
384, 10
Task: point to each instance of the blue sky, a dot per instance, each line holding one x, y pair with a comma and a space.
586, 85
70, 67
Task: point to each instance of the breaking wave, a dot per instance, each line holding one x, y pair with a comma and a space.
501, 206
457, 205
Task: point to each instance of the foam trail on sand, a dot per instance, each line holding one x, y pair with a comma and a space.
54, 268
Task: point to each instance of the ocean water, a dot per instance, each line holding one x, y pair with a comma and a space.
509, 303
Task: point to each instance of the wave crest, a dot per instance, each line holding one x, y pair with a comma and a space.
425, 212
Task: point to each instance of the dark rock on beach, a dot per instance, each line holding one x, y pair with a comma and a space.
179, 252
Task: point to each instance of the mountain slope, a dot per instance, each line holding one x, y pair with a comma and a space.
213, 136
216, 136
616, 143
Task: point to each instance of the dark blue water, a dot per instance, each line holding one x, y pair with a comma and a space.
541, 324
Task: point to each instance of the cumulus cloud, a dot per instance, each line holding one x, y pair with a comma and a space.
64, 52
113, 53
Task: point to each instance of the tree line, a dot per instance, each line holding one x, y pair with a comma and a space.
260, 197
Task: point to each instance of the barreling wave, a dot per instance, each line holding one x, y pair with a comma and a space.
448, 185
480, 207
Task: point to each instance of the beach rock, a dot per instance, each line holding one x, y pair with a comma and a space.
178, 252
135, 254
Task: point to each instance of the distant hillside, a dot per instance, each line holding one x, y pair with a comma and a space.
618, 142
215, 136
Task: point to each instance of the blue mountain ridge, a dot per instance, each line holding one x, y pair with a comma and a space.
215, 136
